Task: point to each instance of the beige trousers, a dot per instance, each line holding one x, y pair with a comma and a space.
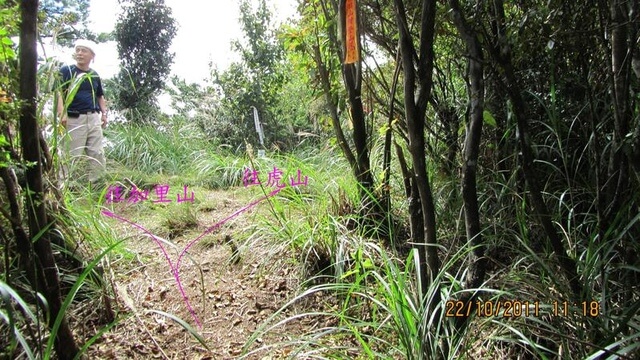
84, 145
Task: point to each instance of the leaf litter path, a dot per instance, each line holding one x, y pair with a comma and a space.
175, 269
230, 300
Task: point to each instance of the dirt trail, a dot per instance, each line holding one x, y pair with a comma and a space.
237, 296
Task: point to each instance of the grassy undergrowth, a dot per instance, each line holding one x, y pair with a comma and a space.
366, 292
358, 297
363, 303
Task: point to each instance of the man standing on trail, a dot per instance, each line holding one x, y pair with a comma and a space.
82, 109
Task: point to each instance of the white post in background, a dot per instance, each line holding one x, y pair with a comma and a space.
259, 130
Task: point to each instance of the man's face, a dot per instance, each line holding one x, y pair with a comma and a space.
83, 55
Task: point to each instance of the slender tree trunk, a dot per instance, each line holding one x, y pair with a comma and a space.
353, 81
352, 75
417, 91
624, 153
621, 57
333, 110
47, 281
472, 147
502, 54
386, 187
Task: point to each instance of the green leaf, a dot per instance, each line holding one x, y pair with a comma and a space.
7, 53
348, 273
382, 131
184, 324
489, 119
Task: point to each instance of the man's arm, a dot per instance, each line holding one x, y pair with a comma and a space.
62, 115
103, 108
61, 86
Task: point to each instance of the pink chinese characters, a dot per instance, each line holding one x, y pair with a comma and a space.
117, 194
275, 179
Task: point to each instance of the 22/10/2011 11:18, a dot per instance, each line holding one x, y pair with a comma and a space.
516, 308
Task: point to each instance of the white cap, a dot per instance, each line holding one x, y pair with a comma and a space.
86, 44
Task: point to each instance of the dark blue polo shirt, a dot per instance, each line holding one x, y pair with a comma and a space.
88, 92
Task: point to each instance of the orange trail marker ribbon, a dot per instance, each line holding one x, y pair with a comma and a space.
351, 37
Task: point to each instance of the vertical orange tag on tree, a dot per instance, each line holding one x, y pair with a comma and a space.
351, 27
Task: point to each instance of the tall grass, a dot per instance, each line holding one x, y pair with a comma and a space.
88, 235
369, 303
177, 150
152, 150
369, 299
297, 218
17, 315
374, 311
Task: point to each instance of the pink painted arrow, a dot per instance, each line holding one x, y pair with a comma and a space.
175, 270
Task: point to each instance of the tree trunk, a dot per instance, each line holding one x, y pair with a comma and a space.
386, 162
48, 283
501, 52
352, 75
621, 54
472, 147
333, 109
353, 80
417, 91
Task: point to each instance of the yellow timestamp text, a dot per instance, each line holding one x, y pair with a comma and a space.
518, 308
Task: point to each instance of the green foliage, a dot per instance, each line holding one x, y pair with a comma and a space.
260, 52
7, 52
301, 40
185, 326
561, 56
144, 33
376, 306
179, 220
205, 106
28, 336
255, 81
263, 79
232, 119
9, 84
151, 150
65, 20
259, 80
13, 315
148, 154
5, 158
